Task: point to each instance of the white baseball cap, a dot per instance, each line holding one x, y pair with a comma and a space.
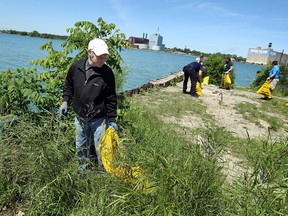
98, 46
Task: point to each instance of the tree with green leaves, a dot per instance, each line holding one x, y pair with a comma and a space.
25, 88
213, 67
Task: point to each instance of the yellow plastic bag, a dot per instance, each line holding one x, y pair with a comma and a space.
227, 80
205, 80
108, 147
198, 89
265, 89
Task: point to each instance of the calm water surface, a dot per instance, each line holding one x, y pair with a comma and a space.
16, 52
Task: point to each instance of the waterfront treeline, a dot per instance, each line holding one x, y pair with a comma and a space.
186, 51
35, 34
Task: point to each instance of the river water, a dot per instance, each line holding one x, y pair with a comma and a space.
143, 65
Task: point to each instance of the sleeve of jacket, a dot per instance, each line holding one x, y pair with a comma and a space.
111, 99
68, 86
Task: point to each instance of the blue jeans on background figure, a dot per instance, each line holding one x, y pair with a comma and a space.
88, 130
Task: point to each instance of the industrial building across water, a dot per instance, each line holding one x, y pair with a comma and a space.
262, 56
258, 55
155, 42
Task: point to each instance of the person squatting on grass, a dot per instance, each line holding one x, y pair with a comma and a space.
193, 71
274, 75
90, 86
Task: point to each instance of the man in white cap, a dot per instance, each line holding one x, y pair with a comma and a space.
90, 86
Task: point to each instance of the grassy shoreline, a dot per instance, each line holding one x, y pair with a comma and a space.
178, 143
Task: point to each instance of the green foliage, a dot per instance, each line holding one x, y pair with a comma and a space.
207, 55
172, 82
261, 76
35, 150
282, 85
214, 66
39, 171
42, 90
262, 190
38, 166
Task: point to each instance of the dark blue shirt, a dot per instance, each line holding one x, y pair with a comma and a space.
196, 66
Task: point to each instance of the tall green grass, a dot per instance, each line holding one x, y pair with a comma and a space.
262, 189
38, 168
39, 172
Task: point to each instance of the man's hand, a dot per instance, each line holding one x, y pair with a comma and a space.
64, 108
114, 125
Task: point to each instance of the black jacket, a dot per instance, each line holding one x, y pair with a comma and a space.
92, 98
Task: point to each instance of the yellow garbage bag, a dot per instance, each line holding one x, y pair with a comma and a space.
205, 80
108, 147
198, 89
227, 80
265, 89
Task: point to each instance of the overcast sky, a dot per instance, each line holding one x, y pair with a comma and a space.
209, 26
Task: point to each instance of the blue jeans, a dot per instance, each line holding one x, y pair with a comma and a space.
87, 131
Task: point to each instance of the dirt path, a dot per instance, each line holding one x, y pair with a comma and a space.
222, 105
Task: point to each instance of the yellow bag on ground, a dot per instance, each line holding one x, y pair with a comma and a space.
108, 146
227, 80
265, 89
205, 80
198, 89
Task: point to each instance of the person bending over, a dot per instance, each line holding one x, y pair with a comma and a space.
192, 71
